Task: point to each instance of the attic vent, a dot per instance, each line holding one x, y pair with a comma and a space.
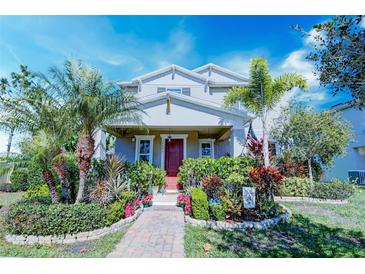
159, 90
186, 91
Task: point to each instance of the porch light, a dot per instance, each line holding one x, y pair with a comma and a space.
133, 139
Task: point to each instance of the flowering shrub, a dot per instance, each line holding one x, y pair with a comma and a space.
184, 201
266, 180
187, 204
136, 202
128, 210
180, 200
147, 200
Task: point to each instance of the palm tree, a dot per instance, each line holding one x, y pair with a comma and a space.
263, 93
92, 103
44, 147
36, 109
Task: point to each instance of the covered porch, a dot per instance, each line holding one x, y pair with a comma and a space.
166, 147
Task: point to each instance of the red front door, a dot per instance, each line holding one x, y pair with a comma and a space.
173, 156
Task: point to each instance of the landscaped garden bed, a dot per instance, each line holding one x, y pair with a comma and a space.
214, 194
116, 195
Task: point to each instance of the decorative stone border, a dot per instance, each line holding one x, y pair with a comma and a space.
73, 238
308, 199
221, 225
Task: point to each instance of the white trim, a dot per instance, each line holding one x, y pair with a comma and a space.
139, 138
173, 68
211, 66
172, 136
211, 142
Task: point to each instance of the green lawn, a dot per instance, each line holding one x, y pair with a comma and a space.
315, 230
93, 249
7, 198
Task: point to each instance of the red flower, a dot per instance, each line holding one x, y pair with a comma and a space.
187, 204
180, 200
128, 210
148, 198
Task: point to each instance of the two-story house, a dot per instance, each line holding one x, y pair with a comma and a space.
184, 117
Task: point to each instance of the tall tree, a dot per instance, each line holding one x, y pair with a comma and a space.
30, 102
339, 55
307, 136
17, 84
92, 102
263, 93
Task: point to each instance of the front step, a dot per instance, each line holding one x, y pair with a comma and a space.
166, 199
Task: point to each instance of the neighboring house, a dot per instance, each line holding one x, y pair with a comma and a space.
184, 117
354, 161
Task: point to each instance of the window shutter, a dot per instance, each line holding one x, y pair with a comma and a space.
186, 91
159, 90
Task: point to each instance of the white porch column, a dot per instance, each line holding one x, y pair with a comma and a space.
237, 142
100, 144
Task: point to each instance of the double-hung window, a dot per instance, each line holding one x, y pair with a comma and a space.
206, 148
144, 148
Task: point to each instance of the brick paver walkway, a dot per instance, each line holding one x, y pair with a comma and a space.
157, 233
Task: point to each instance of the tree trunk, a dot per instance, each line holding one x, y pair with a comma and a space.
84, 154
310, 173
265, 142
10, 140
59, 166
49, 180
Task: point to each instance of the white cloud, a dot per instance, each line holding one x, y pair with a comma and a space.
296, 62
238, 63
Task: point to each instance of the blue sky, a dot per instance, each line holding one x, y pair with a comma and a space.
123, 47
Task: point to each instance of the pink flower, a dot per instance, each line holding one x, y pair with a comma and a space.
136, 202
180, 199
128, 210
187, 204
148, 198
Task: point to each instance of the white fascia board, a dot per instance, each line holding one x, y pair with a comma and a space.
168, 68
226, 84
221, 69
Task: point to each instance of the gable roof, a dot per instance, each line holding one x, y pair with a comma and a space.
172, 68
195, 74
211, 66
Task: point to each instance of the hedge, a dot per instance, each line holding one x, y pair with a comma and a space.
334, 189
295, 186
193, 170
199, 202
58, 219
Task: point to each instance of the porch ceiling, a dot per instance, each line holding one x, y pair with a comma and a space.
217, 131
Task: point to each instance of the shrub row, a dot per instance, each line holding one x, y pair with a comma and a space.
295, 186
192, 171
335, 189
58, 219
